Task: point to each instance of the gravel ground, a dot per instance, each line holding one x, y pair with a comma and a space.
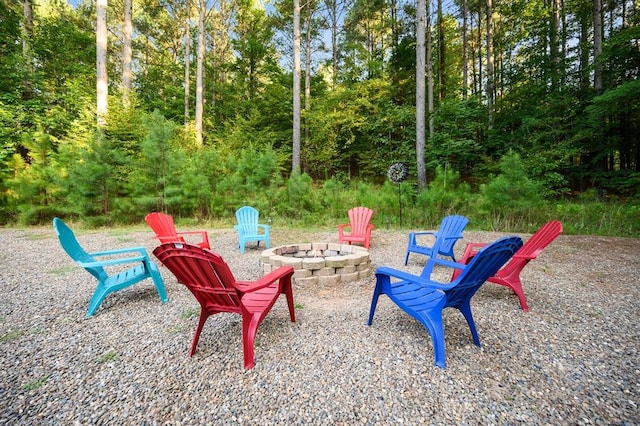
573, 359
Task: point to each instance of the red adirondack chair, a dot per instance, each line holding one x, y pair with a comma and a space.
212, 283
359, 218
162, 224
509, 275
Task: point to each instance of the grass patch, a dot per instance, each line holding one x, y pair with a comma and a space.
13, 335
62, 270
190, 313
36, 384
107, 356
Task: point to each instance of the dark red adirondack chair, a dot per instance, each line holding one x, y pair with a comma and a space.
509, 275
162, 224
360, 227
210, 280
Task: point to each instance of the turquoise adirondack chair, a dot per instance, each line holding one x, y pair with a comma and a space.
249, 229
142, 267
444, 239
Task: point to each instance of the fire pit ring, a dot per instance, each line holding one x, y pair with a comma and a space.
319, 263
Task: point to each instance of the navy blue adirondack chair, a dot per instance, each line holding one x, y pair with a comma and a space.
425, 299
448, 233
142, 267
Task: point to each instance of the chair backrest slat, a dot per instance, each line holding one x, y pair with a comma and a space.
248, 218
482, 266
359, 218
70, 244
204, 273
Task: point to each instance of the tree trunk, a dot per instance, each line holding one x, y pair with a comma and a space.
307, 64
465, 65
295, 151
27, 55
554, 44
187, 64
202, 13
102, 91
597, 46
490, 69
442, 90
429, 72
420, 92
127, 53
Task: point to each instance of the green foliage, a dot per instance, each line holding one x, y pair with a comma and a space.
446, 195
299, 200
510, 193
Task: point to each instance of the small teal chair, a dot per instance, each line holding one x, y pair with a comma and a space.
249, 229
424, 298
143, 267
448, 233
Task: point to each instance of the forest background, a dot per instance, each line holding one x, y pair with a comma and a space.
533, 112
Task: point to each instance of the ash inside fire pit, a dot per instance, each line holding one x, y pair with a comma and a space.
319, 263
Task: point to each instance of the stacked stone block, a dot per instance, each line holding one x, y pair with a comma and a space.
319, 263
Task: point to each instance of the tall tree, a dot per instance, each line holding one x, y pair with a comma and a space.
295, 160
465, 47
187, 63
102, 88
490, 63
421, 29
127, 52
597, 46
202, 16
27, 40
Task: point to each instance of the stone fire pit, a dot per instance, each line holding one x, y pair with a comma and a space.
319, 263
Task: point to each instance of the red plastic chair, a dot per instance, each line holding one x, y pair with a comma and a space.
359, 218
162, 224
509, 275
210, 280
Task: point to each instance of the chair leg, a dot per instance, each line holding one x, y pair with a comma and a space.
249, 329
98, 296
516, 286
203, 318
432, 321
465, 308
157, 281
288, 292
374, 300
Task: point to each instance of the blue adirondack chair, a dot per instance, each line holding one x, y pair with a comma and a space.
424, 298
448, 233
249, 229
143, 267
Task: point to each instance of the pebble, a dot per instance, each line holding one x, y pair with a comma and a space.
573, 359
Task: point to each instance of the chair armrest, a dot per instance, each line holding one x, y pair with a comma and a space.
112, 262
470, 250
422, 233
405, 276
344, 225
140, 250
265, 227
203, 233
526, 256
265, 281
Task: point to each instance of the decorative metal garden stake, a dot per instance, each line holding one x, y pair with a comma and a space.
396, 174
